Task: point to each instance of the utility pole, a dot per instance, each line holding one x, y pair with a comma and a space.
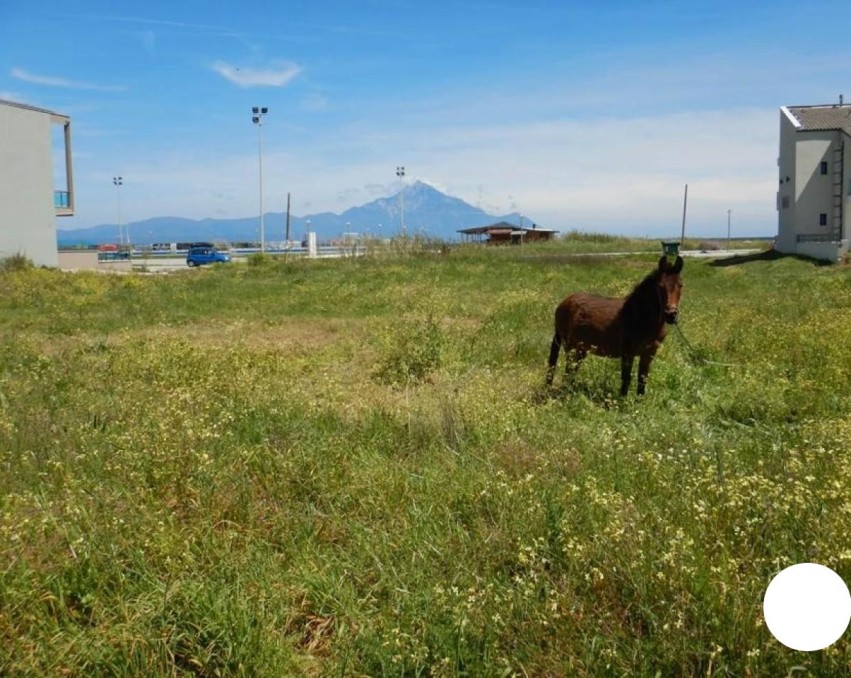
257, 114
728, 228
400, 172
288, 220
685, 205
119, 182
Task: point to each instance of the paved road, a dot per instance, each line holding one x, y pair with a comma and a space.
168, 264
718, 254
172, 264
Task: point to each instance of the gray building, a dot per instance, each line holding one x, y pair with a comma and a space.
814, 196
34, 189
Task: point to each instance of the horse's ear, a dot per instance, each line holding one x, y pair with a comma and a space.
678, 265
663, 263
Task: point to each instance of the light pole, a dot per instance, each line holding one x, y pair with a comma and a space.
257, 114
400, 172
119, 181
728, 228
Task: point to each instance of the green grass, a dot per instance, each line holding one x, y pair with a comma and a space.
352, 468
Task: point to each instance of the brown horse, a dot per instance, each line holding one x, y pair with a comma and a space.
623, 328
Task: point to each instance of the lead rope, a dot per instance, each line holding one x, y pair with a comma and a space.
694, 355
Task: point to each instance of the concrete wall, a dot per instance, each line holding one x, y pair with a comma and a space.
78, 260
74, 260
27, 213
786, 186
823, 251
804, 193
813, 190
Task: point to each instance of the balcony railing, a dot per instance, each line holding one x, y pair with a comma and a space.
61, 199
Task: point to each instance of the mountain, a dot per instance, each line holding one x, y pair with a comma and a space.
427, 212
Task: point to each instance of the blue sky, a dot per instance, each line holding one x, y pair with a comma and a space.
586, 115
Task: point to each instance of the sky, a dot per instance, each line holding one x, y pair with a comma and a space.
589, 115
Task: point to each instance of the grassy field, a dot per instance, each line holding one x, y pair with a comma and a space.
352, 467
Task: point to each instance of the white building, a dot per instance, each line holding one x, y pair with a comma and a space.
30, 193
815, 189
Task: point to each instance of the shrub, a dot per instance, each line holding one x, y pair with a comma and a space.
16, 262
412, 351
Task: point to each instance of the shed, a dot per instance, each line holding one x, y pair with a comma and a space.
504, 233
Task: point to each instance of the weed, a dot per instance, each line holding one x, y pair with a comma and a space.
351, 467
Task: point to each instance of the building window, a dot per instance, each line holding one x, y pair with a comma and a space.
822, 219
823, 167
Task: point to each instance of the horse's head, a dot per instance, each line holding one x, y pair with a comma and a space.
670, 288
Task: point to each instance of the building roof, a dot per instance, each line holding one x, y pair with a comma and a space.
821, 118
27, 107
501, 228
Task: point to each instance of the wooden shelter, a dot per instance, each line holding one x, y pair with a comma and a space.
503, 233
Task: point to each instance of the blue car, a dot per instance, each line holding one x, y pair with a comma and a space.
197, 256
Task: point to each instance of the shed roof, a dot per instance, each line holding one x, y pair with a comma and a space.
502, 227
821, 118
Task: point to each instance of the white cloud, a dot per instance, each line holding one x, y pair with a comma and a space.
52, 81
278, 74
616, 174
6, 95
314, 103
149, 40
624, 174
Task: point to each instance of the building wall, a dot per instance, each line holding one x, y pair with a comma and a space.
27, 212
813, 190
804, 193
823, 251
786, 186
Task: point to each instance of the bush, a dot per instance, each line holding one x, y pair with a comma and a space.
258, 259
411, 352
16, 262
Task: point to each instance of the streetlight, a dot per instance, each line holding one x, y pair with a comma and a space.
119, 181
728, 228
400, 172
257, 114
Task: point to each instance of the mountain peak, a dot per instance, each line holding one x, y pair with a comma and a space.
427, 211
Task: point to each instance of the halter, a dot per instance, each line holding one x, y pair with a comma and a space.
662, 301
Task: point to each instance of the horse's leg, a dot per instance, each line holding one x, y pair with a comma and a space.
644, 369
555, 346
626, 372
574, 356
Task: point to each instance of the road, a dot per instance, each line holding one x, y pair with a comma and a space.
160, 264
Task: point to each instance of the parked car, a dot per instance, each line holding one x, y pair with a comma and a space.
198, 256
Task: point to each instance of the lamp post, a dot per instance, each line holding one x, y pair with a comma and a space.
400, 172
728, 228
257, 114
119, 181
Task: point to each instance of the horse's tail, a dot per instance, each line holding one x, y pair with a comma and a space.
551, 364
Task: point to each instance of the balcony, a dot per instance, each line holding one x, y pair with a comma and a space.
61, 200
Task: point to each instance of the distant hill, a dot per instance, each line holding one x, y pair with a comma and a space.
427, 212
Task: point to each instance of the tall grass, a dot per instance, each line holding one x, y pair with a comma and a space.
352, 468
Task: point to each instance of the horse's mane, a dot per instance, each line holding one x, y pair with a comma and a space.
644, 288
643, 298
